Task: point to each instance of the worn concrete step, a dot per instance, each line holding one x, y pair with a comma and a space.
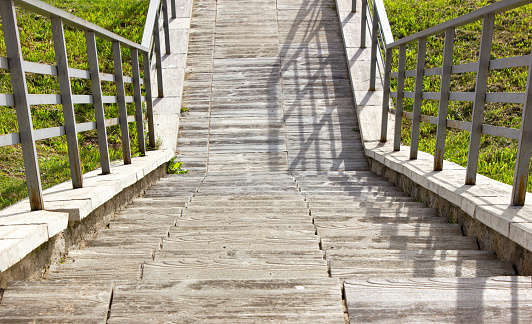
251, 211
347, 187
444, 300
397, 242
229, 301
275, 268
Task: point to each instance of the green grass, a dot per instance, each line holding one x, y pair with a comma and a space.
512, 37
123, 17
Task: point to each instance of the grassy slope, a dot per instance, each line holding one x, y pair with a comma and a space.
124, 17
513, 36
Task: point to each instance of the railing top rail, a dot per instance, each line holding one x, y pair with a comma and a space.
385, 24
497, 7
50, 11
150, 23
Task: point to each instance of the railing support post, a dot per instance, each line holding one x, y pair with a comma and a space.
22, 107
374, 45
445, 86
386, 94
158, 57
166, 27
354, 6
418, 97
121, 99
138, 103
399, 99
363, 23
173, 8
480, 99
99, 112
149, 99
61, 58
524, 150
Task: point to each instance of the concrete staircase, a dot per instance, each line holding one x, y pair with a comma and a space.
279, 219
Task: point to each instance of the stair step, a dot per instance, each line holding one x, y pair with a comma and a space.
445, 300
275, 268
229, 301
338, 229
400, 242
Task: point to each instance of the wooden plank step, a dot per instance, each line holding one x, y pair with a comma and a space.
400, 242
444, 300
339, 229
229, 301
380, 219
278, 268
166, 255
55, 302
387, 268
214, 228
243, 245
421, 255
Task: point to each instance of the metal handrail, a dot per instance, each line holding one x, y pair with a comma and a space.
479, 97
374, 15
22, 100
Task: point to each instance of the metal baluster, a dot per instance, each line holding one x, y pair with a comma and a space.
149, 99
399, 99
480, 99
158, 57
374, 45
121, 99
99, 112
138, 103
418, 97
445, 86
354, 6
522, 164
22, 107
61, 58
363, 23
173, 8
386, 94
166, 27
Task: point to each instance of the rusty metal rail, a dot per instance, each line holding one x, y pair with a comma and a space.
22, 100
479, 97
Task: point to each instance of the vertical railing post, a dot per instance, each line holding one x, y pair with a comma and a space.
418, 97
61, 58
121, 100
374, 45
139, 117
158, 57
524, 150
97, 101
386, 94
22, 107
480, 99
166, 27
445, 87
149, 99
363, 23
354, 6
173, 8
399, 99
